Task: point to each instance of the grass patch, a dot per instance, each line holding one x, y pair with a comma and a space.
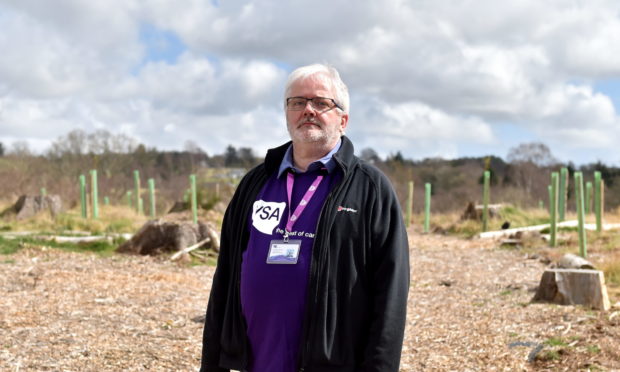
209, 261
9, 246
607, 241
520, 217
611, 268
556, 341
112, 219
550, 355
103, 248
466, 229
568, 229
593, 349
517, 217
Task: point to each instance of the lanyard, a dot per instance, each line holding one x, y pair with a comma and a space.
293, 217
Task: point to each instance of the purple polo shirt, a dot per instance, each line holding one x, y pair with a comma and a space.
273, 296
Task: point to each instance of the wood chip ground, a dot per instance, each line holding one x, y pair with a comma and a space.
469, 310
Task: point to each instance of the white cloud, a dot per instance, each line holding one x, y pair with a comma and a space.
430, 77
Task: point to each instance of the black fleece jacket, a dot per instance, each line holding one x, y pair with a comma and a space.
359, 275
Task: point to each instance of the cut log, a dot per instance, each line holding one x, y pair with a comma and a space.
571, 261
573, 223
573, 287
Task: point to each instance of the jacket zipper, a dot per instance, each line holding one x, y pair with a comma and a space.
313, 299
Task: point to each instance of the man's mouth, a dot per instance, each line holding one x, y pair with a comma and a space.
308, 122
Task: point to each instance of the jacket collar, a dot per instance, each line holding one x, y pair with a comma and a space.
344, 157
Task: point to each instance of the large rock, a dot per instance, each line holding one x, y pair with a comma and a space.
29, 206
573, 287
159, 236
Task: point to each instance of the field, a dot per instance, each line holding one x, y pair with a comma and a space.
68, 307
469, 310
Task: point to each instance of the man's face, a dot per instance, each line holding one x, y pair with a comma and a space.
310, 125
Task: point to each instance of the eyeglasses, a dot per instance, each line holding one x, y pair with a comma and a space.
317, 103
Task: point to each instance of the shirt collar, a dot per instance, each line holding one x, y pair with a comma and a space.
326, 161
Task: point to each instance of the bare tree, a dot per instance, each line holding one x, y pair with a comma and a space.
192, 147
74, 143
370, 155
526, 161
534, 152
20, 149
246, 156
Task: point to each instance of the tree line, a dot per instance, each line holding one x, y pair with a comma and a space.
521, 179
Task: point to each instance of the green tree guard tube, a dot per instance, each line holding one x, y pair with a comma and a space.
485, 200
598, 200
192, 182
550, 196
152, 196
83, 195
427, 207
580, 214
130, 199
588, 197
553, 226
136, 181
95, 199
409, 204
562, 193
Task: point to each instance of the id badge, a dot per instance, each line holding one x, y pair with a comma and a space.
283, 252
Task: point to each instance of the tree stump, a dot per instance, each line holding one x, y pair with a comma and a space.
470, 213
573, 287
29, 206
158, 237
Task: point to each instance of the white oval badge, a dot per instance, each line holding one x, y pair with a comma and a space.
267, 215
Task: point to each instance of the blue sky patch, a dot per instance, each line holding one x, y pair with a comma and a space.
611, 88
160, 45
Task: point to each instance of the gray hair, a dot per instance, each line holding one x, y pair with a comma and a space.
327, 74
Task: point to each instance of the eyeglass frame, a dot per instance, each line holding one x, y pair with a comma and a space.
336, 105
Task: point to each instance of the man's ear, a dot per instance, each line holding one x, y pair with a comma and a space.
344, 121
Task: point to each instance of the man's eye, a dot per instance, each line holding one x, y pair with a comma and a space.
321, 103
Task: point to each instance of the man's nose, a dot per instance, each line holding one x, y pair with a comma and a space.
308, 109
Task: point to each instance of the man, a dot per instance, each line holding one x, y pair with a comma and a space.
313, 271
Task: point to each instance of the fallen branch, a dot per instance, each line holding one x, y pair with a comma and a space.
176, 256
573, 223
215, 240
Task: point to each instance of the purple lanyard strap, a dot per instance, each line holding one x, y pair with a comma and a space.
290, 180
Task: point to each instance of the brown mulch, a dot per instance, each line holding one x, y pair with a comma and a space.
469, 310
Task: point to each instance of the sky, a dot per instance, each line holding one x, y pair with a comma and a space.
427, 78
